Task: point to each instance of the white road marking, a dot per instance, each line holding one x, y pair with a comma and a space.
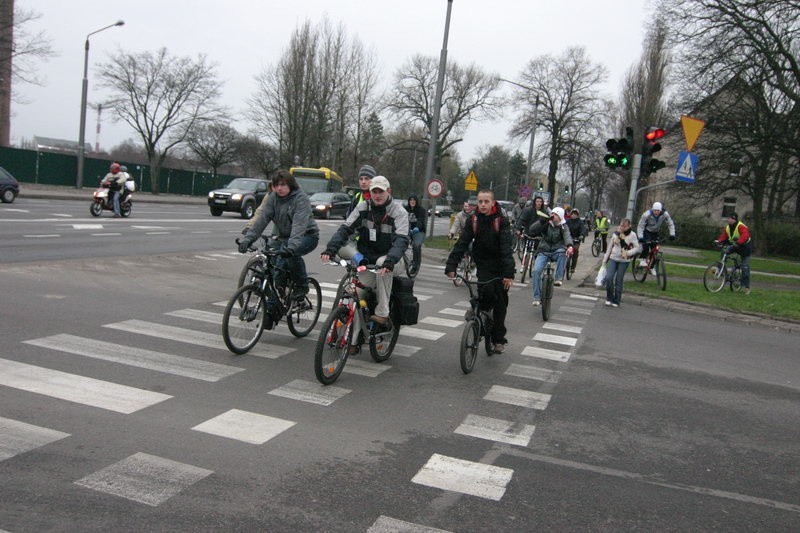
60, 215
105, 234
418, 333
77, 389
42, 236
197, 338
562, 327
365, 368
532, 372
137, 357
520, 397
466, 477
158, 233
583, 297
87, 226
452, 311
307, 391
544, 353
18, 437
144, 478
386, 524
578, 310
555, 339
245, 426
496, 430
438, 321
404, 350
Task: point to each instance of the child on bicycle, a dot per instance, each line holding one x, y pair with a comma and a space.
489, 233
737, 236
556, 244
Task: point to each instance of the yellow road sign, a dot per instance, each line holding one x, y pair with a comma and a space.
471, 182
691, 130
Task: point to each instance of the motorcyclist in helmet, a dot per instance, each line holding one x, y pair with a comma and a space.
115, 181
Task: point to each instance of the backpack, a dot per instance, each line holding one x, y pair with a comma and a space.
403, 291
495, 225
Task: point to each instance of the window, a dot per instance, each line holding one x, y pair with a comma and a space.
728, 207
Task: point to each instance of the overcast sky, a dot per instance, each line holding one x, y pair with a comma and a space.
244, 36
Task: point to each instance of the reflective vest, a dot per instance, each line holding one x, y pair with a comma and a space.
602, 225
736, 235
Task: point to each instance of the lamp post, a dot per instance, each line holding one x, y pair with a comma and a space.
84, 90
533, 127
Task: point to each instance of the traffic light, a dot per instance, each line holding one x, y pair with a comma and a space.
541, 186
619, 151
650, 147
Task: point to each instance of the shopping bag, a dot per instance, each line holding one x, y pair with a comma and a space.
600, 280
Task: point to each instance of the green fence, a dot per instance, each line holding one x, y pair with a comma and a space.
51, 168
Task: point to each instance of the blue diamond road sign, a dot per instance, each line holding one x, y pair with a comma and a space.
687, 167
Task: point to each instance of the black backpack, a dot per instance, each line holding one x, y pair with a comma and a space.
403, 292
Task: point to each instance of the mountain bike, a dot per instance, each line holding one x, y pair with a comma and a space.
719, 273
597, 245
260, 305
466, 269
348, 320
528, 254
548, 285
408, 259
478, 327
655, 261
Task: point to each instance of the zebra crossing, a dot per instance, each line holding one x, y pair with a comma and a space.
149, 479
554, 345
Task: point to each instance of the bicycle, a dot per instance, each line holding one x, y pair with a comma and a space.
350, 318
408, 259
597, 245
478, 327
655, 261
260, 304
528, 253
576, 244
719, 273
547, 287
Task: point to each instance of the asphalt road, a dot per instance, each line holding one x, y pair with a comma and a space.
120, 409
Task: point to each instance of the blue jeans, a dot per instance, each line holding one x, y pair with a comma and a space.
538, 267
114, 200
295, 264
416, 246
615, 273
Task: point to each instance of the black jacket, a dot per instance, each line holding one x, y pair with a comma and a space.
577, 229
491, 247
416, 216
529, 215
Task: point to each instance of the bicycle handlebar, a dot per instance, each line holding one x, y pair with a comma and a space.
478, 282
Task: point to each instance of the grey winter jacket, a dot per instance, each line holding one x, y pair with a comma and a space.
292, 218
553, 237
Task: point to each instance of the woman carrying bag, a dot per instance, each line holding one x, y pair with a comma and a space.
623, 247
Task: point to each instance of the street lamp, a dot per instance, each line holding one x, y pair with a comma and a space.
84, 90
533, 127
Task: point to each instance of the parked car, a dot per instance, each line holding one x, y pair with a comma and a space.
329, 204
508, 206
442, 211
242, 195
9, 186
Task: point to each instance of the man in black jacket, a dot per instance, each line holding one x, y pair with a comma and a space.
578, 230
416, 224
490, 234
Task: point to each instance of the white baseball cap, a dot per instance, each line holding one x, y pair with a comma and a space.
379, 182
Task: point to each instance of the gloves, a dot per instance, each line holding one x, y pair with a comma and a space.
672, 237
244, 245
388, 264
285, 252
731, 249
414, 231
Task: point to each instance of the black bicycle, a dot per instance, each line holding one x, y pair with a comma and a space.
720, 272
478, 327
260, 304
528, 254
547, 285
597, 245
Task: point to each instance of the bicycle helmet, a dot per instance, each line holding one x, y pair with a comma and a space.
114, 168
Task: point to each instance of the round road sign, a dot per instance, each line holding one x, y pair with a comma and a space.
435, 188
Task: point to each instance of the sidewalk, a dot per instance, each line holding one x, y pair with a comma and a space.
59, 192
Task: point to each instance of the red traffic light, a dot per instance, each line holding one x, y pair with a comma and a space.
655, 134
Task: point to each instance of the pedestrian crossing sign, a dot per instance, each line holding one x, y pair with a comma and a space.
687, 167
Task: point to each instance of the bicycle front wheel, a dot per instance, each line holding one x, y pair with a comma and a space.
526, 261
470, 339
248, 273
661, 273
714, 277
639, 272
334, 342
242, 323
302, 317
596, 247
547, 295
381, 344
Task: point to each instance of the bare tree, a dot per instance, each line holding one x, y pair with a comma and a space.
20, 53
469, 94
567, 90
162, 98
256, 156
215, 143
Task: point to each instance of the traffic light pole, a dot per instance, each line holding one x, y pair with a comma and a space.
635, 170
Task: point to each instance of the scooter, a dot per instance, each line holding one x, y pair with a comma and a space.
101, 201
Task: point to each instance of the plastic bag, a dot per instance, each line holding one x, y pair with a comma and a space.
600, 280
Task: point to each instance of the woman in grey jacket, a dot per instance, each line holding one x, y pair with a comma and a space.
288, 208
624, 246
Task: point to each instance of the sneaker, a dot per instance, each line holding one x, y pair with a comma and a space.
499, 348
653, 272
608, 303
558, 283
354, 349
536, 303
614, 305
642, 262
746, 290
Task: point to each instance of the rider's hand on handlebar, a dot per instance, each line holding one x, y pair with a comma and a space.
450, 275
507, 282
244, 245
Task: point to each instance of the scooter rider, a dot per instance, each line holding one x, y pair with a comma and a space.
115, 181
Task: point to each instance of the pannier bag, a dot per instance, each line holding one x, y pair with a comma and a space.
403, 291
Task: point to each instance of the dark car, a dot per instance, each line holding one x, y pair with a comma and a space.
442, 211
242, 195
9, 186
329, 204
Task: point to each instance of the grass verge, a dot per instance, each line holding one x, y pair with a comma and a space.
687, 272
762, 264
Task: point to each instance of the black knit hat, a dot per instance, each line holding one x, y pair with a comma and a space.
367, 171
734, 216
